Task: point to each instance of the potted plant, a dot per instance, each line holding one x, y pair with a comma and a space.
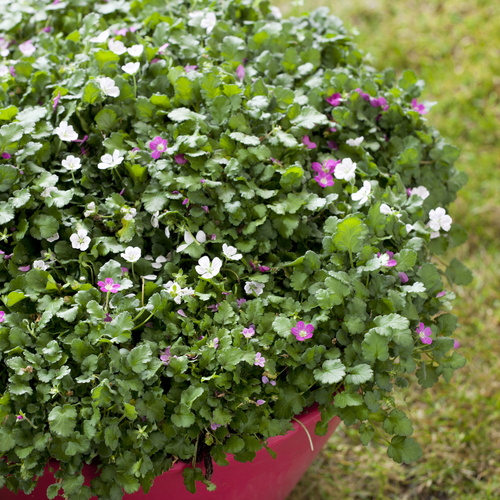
211, 219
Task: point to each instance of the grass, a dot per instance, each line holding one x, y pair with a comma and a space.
453, 47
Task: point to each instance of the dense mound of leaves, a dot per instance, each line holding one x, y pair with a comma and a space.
181, 186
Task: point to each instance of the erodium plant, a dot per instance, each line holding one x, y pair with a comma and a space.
210, 219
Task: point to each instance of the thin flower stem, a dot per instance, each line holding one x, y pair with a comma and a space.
145, 321
133, 273
107, 300
73, 176
307, 432
59, 146
193, 463
231, 271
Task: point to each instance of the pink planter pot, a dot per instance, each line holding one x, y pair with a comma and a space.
263, 479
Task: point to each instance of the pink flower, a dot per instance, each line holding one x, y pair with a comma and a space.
303, 331
264, 269
378, 102
324, 179
158, 146
185, 201
403, 277
328, 167
249, 332
419, 108
259, 402
334, 99
216, 342
456, 344
166, 356
332, 145
240, 72
109, 286
391, 262
2, 316
265, 380
124, 270
307, 142
259, 360
205, 207
5, 156
441, 294
241, 301
363, 95
25, 269
162, 48
180, 159
214, 307
56, 101
213, 426
20, 417
108, 318
424, 333
121, 31
180, 312
189, 68
47, 29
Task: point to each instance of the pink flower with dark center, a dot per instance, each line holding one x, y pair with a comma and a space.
424, 333
109, 286
419, 108
307, 142
324, 179
403, 277
332, 145
240, 72
303, 331
158, 146
259, 360
180, 159
334, 99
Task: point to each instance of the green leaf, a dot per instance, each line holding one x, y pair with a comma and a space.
406, 260
8, 176
404, 450
129, 411
331, 372
345, 398
62, 420
389, 323
139, 357
91, 93
106, 119
248, 140
185, 114
458, 273
14, 298
43, 226
375, 347
359, 374
350, 235
8, 113
398, 423
309, 117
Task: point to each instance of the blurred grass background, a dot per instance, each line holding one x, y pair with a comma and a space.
454, 46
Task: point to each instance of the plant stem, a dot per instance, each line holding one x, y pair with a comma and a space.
307, 432
107, 300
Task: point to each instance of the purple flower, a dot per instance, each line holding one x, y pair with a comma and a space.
264, 269
180, 312
307, 142
249, 332
334, 99
259, 402
265, 380
108, 318
378, 102
162, 48
324, 179
185, 201
25, 269
202, 181
332, 145
214, 307
328, 167
240, 72
158, 146
20, 417
391, 262
5, 156
303, 331
216, 342
56, 101
2, 316
124, 270
189, 68
403, 277
363, 95
241, 301
166, 356
441, 294
419, 108
121, 31
259, 360
109, 286
424, 333
214, 426
456, 344
213, 237
47, 29
205, 208
180, 159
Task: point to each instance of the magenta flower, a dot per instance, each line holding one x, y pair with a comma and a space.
2, 316
424, 333
328, 167
109, 286
108, 318
25, 269
324, 179
403, 277
307, 142
332, 145
303, 331
259, 402
180, 312
5, 156
185, 201
213, 426
419, 108
47, 29
214, 307
378, 102
124, 270
180, 159
241, 301
334, 99
259, 360
205, 207
158, 146
264, 269
363, 95
56, 101
441, 294
20, 417
265, 380
189, 68
456, 344
166, 356
216, 342
240, 72
391, 262
249, 332
162, 49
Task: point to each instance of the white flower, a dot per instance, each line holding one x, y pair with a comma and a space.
207, 269
158, 264
66, 132
195, 18
439, 220
435, 234
90, 209
130, 213
345, 170
27, 48
176, 292
421, 191
231, 252
154, 220
108, 161
46, 192
167, 232
254, 287
131, 254
363, 194
209, 22
101, 38
108, 86
150, 277
409, 227
52, 238
80, 240
355, 142
117, 47
387, 210
72, 163
417, 287
40, 264
135, 50
4, 70
131, 68
275, 11
4, 47
201, 237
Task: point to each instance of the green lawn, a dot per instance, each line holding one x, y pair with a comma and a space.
453, 45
